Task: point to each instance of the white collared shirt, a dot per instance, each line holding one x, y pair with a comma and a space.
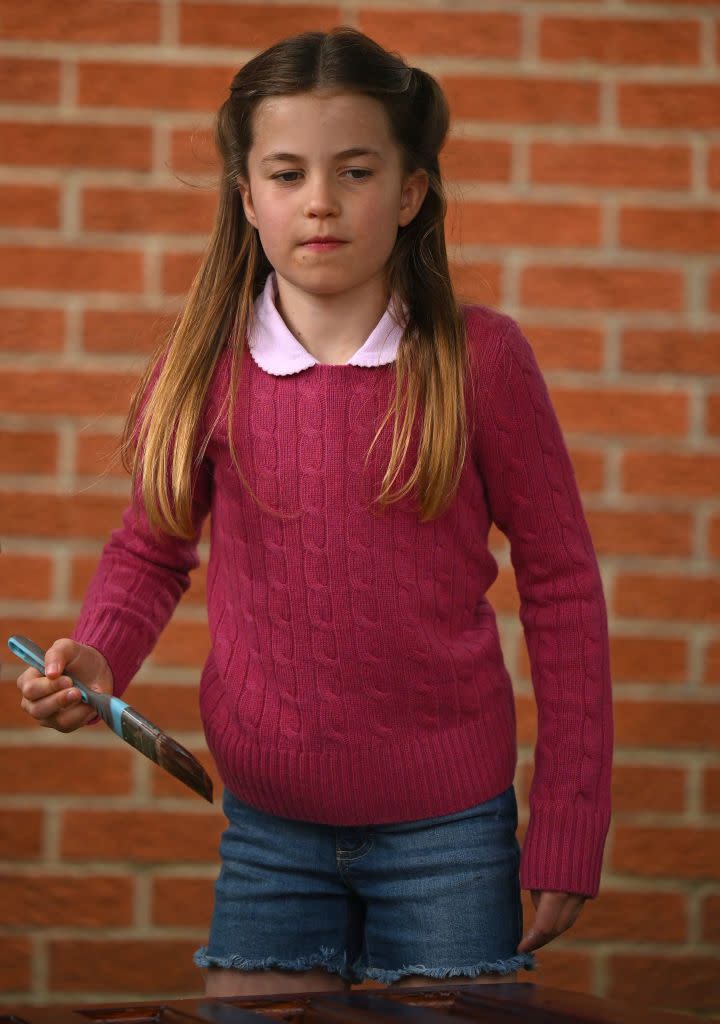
277, 351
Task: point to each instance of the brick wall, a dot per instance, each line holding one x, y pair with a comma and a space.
584, 168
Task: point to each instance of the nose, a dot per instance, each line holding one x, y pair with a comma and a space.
321, 200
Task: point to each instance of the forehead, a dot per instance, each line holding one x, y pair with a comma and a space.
312, 120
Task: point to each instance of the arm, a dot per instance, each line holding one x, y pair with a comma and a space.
137, 585
534, 499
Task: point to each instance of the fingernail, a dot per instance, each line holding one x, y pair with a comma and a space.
53, 667
71, 696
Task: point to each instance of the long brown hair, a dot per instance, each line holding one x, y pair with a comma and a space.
162, 426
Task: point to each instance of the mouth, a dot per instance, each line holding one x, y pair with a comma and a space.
323, 243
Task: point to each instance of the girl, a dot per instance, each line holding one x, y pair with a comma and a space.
354, 432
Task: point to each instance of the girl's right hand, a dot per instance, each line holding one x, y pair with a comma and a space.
51, 699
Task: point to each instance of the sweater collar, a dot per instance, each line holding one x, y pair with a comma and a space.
276, 350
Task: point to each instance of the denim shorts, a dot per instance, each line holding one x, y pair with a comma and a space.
438, 897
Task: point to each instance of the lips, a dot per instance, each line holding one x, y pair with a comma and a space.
323, 240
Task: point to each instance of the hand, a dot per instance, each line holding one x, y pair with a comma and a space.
555, 912
51, 699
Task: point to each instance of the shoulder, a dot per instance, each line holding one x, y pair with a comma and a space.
492, 338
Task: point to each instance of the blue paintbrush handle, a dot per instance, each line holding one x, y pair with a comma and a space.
109, 708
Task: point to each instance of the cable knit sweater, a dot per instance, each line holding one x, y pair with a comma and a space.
356, 674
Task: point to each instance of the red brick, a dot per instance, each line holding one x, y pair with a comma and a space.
114, 331
25, 577
711, 790
182, 902
250, 26
514, 100
714, 167
686, 107
165, 785
589, 469
32, 330
643, 980
47, 901
183, 644
173, 706
689, 230
648, 659
82, 21
559, 967
711, 918
477, 282
460, 33
620, 41
21, 835
97, 456
668, 852
622, 916
49, 144
620, 532
59, 515
29, 81
621, 412
140, 836
476, 160
503, 594
670, 475
29, 206
643, 787
42, 630
713, 414
153, 86
712, 663
714, 290
714, 537
28, 451
523, 223
610, 165
121, 965
15, 963
178, 211
668, 723
559, 347
611, 288
66, 392
178, 271
65, 769
193, 150
671, 351
679, 598
61, 269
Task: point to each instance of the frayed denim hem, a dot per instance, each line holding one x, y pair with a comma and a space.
329, 959
513, 963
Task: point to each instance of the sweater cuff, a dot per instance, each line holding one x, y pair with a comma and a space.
563, 848
107, 631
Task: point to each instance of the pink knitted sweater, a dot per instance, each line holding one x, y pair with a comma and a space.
356, 674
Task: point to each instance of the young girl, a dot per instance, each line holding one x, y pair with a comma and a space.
354, 432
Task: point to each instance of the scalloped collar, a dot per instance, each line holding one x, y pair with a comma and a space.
276, 350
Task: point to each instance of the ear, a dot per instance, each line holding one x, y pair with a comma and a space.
246, 196
414, 190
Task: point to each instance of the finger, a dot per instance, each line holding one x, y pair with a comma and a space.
46, 707
569, 914
27, 675
36, 687
72, 718
543, 928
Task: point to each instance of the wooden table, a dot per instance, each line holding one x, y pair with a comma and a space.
507, 1003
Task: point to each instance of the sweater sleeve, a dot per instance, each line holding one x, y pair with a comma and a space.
534, 500
138, 582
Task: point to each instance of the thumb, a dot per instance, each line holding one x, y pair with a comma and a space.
58, 655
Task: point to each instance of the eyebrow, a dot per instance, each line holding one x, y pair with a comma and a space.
293, 157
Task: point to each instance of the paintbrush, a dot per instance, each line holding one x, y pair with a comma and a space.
129, 725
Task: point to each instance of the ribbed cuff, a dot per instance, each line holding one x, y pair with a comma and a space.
107, 631
563, 848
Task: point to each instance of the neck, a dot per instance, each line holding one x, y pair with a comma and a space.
332, 327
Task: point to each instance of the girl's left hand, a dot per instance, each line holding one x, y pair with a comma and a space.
555, 912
